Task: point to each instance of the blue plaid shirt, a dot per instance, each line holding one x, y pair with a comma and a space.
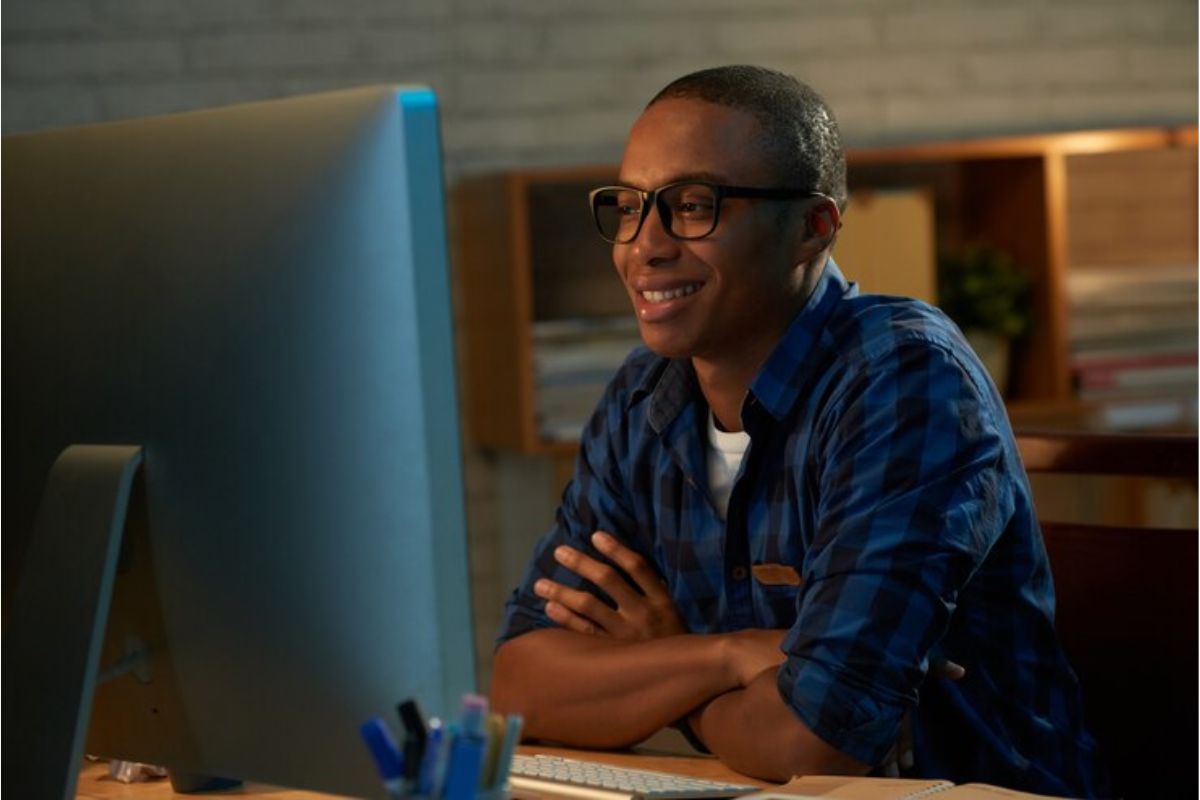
882, 468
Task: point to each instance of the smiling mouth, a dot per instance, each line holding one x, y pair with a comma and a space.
670, 294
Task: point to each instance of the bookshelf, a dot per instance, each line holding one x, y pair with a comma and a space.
529, 259
1033, 197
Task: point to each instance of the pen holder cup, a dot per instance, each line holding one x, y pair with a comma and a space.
493, 794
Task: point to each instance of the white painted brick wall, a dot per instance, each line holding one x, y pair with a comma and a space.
532, 82
48, 63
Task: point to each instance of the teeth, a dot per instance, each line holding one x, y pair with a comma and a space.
671, 294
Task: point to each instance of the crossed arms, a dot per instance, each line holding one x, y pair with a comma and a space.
910, 499
610, 677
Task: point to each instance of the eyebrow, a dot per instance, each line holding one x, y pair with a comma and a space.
710, 177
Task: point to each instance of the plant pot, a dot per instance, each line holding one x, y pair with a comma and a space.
993, 351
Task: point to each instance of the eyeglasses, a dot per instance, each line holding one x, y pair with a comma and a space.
688, 209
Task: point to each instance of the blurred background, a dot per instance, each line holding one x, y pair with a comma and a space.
968, 183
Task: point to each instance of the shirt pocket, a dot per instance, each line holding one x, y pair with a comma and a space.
775, 604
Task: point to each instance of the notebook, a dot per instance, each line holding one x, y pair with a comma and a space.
851, 788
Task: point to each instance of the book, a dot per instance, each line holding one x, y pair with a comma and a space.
1146, 376
1131, 286
576, 328
1117, 322
854, 788
1165, 355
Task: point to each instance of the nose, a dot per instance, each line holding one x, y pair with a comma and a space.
653, 245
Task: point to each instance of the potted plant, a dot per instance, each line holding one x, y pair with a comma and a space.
987, 296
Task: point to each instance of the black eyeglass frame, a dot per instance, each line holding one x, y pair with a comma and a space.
653, 197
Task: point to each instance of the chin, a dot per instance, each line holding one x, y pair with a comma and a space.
665, 352
667, 346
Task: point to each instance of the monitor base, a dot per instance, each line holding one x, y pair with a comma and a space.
191, 782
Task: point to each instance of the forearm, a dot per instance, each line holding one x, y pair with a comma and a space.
592, 691
753, 731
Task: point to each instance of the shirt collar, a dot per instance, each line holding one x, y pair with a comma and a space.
674, 385
670, 388
777, 385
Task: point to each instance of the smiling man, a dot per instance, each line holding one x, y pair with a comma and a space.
795, 499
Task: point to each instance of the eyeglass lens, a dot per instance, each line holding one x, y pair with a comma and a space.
688, 211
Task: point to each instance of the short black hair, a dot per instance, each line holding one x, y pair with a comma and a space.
800, 130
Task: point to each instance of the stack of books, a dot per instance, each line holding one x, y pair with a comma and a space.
1133, 334
573, 360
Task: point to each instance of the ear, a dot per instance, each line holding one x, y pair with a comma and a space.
821, 223
824, 220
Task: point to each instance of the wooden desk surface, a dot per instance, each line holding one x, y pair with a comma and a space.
94, 783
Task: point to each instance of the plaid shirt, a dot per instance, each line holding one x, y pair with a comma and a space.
882, 469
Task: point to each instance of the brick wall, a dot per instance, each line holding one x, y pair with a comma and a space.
558, 81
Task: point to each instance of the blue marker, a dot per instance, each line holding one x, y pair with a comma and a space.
466, 753
383, 749
429, 762
441, 764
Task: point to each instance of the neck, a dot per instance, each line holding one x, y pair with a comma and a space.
725, 379
725, 384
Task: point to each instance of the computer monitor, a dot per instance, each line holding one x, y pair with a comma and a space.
244, 316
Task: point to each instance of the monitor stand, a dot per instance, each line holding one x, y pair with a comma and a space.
52, 647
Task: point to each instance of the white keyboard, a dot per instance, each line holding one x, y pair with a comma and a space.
536, 777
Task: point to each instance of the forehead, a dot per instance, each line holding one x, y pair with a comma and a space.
683, 138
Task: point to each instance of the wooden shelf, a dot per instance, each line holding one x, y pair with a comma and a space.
527, 251
1035, 146
517, 267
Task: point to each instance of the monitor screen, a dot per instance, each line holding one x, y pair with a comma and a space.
258, 298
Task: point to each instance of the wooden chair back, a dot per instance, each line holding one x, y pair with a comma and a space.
1127, 612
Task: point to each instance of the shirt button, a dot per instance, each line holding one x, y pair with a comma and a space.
738, 573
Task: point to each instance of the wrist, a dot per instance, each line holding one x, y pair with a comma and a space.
727, 651
751, 651
741, 658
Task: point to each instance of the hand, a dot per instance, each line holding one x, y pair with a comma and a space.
942, 667
646, 612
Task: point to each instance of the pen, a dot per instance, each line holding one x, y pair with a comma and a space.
467, 750
383, 750
430, 762
441, 764
512, 735
414, 740
491, 757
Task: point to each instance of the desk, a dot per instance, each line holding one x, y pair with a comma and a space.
94, 783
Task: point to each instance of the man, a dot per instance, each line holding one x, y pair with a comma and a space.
794, 499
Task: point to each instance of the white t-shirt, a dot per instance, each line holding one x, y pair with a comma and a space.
725, 454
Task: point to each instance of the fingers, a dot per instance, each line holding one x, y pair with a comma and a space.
948, 669
575, 609
598, 573
638, 615
633, 564
572, 621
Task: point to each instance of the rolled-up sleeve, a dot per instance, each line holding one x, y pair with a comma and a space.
912, 493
